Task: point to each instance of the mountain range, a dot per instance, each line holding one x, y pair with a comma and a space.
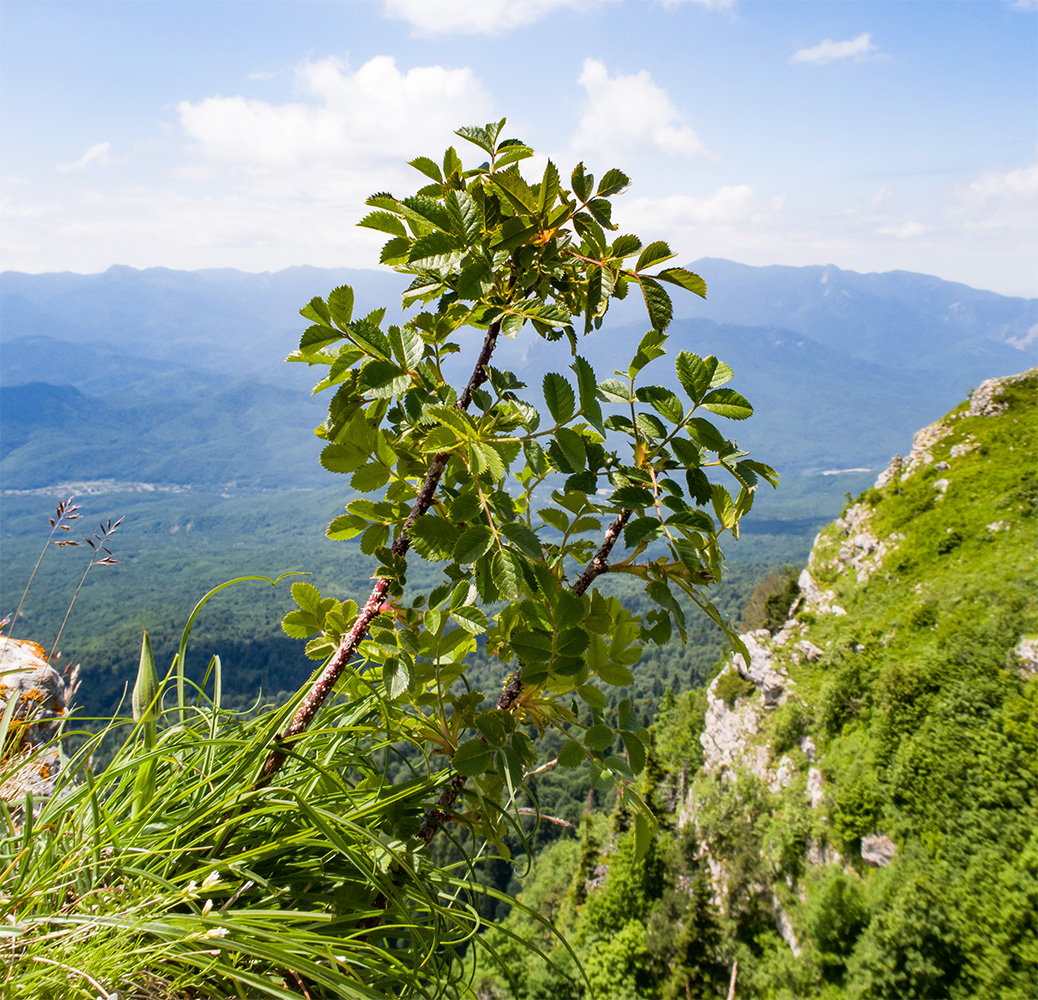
176, 377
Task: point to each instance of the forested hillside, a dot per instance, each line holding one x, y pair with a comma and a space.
852, 813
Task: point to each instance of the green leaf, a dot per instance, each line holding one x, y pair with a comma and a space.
573, 448
635, 751
523, 538
592, 695
432, 245
465, 215
316, 310
508, 574
727, 403
583, 184
549, 188
612, 183
695, 373
599, 737
370, 477
535, 457
571, 754
663, 401
473, 757
395, 677
657, 303
601, 211
531, 646
473, 543
345, 527
625, 246
433, 537
723, 506
477, 136
307, 596
683, 278
427, 167
653, 254
519, 194
615, 674
559, 397
633, 497
342, 457
470, 618
384, 222
642, 529
614, 390
588, 390
721, 375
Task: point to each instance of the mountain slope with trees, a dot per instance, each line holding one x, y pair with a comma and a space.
852, 813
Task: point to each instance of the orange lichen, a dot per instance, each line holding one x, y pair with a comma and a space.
35, 694
34, 647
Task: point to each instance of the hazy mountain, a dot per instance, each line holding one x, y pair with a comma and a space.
177, 376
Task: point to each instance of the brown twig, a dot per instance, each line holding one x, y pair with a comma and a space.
325, 683
440, 813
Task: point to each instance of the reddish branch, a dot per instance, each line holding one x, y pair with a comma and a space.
325, 683
440, 813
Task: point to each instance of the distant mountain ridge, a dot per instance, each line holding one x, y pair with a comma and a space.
181, 376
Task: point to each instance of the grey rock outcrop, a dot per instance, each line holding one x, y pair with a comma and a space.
877, 849
40, 696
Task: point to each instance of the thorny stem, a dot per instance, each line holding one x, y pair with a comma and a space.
440, 813
325, 683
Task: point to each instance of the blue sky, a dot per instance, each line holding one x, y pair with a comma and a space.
873, 136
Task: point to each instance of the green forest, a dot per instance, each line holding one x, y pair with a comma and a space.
546, 718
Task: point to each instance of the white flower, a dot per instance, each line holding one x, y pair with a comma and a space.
207, 907
211, 881
216, 932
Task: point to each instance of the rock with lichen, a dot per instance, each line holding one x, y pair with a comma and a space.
31, 759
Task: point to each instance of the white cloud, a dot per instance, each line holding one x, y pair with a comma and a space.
96, 155
1000, 201
729, 206
830, 51
353, 121
628, 115
473, 17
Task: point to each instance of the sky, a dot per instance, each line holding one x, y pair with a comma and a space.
873, 135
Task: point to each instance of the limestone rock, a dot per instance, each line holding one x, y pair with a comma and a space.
27, 678
877, 849
815, 787
1026, 654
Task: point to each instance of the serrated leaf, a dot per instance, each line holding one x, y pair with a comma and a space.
727, 403
724, 508
395, 251
684, 278
508, 574
588, 229
583, 184
559, 397
663, 401
602, 212
384, 222
473, 757
370, 477
614, 391
317, 337
556, 518
317, 311
519, 194
642, 529
571, 754
531, 646
657, 303
434, 244
636, 751
477, 136
592, 695
395, 677
307, 596
599, 738
346, 526
523, 538
471, 619
573, 448
633, 497
615, 674
465, 215
473, 543
695, 373
625, 246
342, 458
613, 182
433, 537
299, 625
427, 167
653, 254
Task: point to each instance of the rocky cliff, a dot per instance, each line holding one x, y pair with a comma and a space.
867, 789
